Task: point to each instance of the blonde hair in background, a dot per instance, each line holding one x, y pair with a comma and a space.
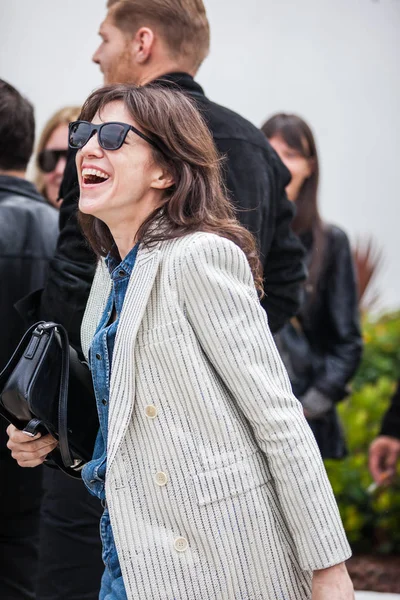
182, 23
61, 117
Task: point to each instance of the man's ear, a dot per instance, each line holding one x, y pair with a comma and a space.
142, 44
162, 181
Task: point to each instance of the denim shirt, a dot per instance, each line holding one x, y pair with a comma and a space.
100, 360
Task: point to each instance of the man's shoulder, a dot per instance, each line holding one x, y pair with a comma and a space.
337, 237
237, 137
27, 225
29, 205
227, 124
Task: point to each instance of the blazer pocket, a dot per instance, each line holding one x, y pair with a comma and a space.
158, 335
232, 480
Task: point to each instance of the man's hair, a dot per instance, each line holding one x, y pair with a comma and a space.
183, 24
17, 129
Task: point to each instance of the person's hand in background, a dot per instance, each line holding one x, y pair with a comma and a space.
384, 453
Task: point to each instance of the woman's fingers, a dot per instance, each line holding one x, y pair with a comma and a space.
29, 444
27, 457
29, 451
29, 460
20, 437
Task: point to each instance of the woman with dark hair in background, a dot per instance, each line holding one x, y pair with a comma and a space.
322, 346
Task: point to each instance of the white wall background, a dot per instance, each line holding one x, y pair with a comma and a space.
334, 62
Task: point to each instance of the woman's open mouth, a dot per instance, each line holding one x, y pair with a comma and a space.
93, 176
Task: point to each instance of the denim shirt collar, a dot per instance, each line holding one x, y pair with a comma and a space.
115, 265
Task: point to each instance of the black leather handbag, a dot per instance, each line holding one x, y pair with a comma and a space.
46, 388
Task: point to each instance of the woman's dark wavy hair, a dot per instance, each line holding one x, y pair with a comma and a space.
298, 135
198, 200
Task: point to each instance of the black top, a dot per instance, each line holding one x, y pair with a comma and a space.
323, 348
391, 420
330, 316
256, 180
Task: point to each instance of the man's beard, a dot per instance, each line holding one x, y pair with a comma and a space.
122, 69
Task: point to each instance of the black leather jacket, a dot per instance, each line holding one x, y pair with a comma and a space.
324, 351
256, 179
331, 320
28, 236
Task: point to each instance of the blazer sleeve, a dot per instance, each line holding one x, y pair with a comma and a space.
222, 306
256, 180
345, 341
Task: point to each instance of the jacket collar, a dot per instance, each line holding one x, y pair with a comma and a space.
17, 186
135, 303
182, 80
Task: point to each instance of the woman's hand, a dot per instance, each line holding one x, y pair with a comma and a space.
29, 451
315, 404
333, 583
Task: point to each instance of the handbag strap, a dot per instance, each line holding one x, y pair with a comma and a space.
63, 394
63, 399
54, 461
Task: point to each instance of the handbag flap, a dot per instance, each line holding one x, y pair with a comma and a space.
29, 384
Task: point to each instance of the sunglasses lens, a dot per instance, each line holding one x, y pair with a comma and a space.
48, 159
112, 136
79, 134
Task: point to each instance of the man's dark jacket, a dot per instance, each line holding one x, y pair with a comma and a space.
391, 420
256, 180
28, 236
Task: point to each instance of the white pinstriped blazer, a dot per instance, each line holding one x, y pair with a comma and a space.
215, 486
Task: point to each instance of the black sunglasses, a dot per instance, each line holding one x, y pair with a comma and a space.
48, 159
111, 135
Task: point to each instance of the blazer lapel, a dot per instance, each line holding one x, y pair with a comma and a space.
122, 384
99, 293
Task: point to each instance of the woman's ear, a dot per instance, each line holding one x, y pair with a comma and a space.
311, 166
162, 181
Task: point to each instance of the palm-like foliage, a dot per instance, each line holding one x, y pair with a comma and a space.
368, 259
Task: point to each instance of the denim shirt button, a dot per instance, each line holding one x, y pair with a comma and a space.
98, 356
104, 402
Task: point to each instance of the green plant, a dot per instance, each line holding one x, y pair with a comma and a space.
372, 521
368, 261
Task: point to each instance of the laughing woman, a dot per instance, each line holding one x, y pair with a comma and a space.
212, 482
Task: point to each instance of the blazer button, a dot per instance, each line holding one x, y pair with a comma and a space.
181, 544
151, 411
161, 478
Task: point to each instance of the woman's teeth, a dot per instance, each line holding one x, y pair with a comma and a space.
91, 176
